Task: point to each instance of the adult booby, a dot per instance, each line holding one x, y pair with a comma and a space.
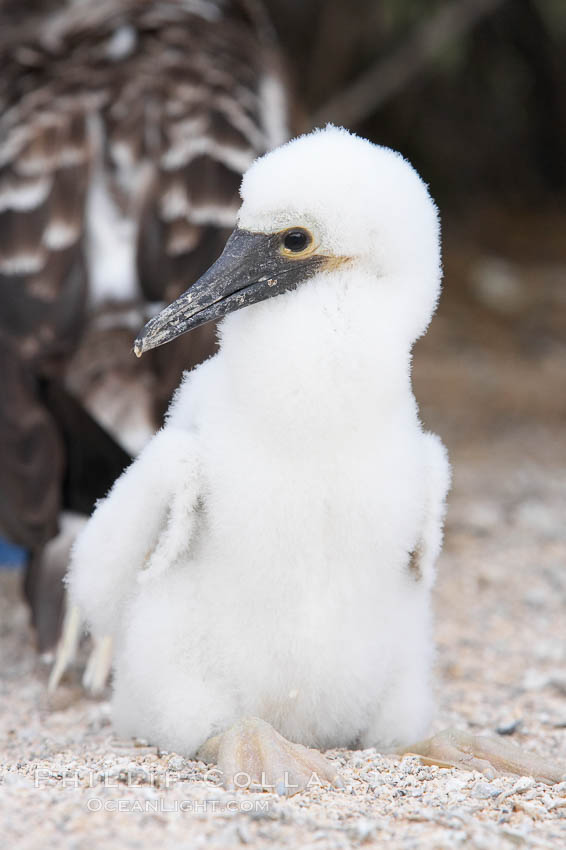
265, 566
125, 128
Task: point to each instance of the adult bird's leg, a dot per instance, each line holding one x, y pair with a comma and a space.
485, 753
97, 670
67, 647
99, 663
251, 753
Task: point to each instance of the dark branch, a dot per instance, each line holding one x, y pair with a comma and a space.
386, 77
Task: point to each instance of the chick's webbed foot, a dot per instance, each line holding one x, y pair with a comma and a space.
252, 754
486, 754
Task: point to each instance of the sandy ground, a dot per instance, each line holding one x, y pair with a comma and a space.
491, 380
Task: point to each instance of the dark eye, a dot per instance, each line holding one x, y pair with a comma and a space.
296, 240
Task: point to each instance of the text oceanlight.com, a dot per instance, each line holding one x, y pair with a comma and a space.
162, 805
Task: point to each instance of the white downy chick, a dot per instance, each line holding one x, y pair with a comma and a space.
272, 551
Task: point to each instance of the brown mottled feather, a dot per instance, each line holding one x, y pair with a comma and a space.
32, 454
161, 105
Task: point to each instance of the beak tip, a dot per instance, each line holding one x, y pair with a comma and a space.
138, 347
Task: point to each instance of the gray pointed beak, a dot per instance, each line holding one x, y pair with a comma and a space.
251, 268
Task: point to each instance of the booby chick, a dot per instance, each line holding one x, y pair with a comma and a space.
265, 566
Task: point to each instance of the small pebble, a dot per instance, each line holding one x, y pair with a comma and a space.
485, 791
509, 727
523, 784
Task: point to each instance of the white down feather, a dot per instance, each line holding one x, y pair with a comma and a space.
255, 558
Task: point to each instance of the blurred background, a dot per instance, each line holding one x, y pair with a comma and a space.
473, 92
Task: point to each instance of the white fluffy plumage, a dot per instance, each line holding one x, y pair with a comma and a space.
271, 552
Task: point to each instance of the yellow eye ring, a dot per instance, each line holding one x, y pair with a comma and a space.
296, 242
